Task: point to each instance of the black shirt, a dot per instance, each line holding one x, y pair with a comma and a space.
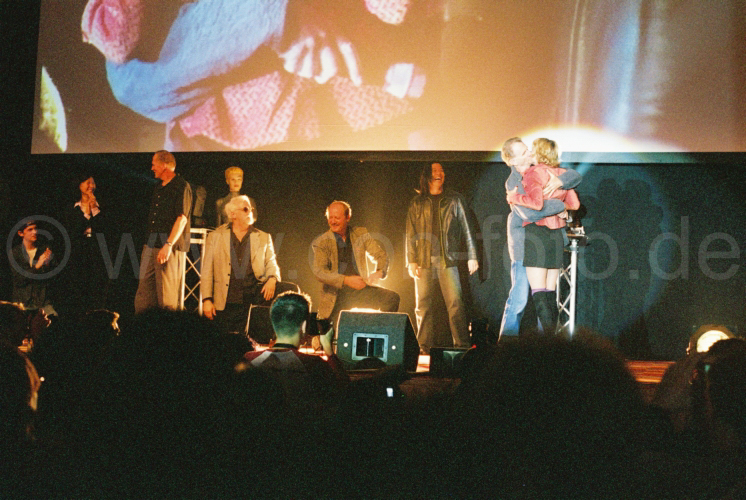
436, 229
166, 205
345, 256
242, 282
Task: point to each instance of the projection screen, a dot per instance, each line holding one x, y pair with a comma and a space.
598, 76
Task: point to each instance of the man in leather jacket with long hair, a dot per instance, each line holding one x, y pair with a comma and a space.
437, 229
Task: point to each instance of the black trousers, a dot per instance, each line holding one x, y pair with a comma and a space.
234, 318
370, 297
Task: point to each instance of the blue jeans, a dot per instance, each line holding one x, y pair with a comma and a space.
517, 300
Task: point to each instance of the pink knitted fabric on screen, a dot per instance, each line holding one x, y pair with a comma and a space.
113, 27
279, 107
388, 11
271, 109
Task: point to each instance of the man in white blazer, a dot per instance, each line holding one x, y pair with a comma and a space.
239, 268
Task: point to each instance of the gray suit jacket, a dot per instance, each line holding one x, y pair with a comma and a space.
326, 263
216, 263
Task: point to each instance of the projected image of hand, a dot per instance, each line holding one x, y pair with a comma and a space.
317, 54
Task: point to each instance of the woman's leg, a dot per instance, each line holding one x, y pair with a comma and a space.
543, 284
537, 277
551, 279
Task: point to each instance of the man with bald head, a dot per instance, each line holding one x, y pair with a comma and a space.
340, 263
167, 231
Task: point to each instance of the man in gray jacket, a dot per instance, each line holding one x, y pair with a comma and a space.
340, 263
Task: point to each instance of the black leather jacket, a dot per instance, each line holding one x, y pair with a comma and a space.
454, 227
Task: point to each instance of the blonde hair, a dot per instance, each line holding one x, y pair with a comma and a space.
232, 170
546, 152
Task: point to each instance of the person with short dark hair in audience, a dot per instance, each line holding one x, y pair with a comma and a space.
310, 382
31, 262
549, 418
164, 420
67, 359
718, 391
18, 326
673, 394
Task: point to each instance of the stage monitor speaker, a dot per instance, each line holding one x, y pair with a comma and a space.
446, 361
387, 336
259, 326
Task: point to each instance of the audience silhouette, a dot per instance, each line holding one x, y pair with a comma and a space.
173, 408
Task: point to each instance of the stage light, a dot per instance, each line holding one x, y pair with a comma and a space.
702, 339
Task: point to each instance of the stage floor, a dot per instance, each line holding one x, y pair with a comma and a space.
647, 373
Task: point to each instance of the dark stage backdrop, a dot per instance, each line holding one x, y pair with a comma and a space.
666, 239
664, 253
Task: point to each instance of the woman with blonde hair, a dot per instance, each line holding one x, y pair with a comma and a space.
545, 240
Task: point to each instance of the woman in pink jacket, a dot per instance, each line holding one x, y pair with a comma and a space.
545, 239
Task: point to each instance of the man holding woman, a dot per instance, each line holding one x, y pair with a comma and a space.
537, 191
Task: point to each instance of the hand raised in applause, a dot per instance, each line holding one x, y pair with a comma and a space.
44, 259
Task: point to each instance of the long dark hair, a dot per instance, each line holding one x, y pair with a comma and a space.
425, 177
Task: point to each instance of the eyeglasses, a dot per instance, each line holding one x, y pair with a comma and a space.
245, 209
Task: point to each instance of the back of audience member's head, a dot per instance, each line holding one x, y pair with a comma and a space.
370, 403
551, 417
288, 312
100, 326
19, 385
12, 323
166, 406
369, 363
372, 438
726, 346
705, 337
474, 361
727, 395
719, 395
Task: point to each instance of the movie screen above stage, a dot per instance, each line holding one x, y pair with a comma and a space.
600, 76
